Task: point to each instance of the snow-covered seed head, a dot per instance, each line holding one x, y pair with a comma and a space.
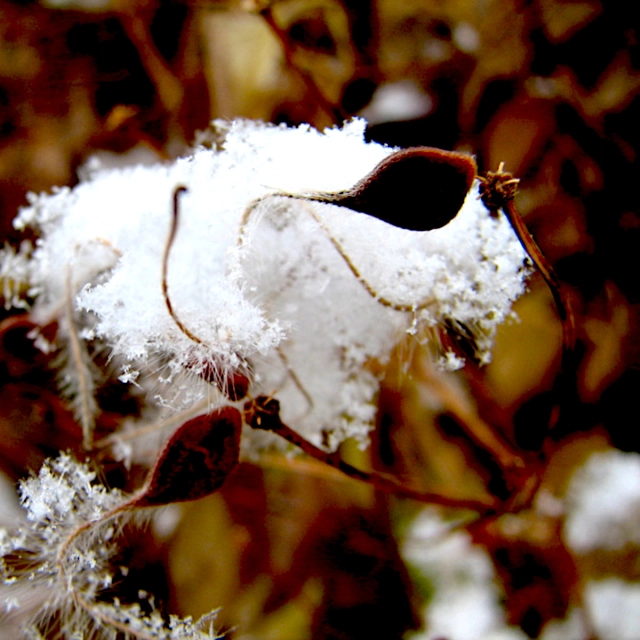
295, 297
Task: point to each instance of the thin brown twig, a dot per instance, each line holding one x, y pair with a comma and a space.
235, 386
305, 200
460, 408
498, 190
385, 302
165, 266
294, 377
264, 413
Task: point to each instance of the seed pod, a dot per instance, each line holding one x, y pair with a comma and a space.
196, 460
418, 189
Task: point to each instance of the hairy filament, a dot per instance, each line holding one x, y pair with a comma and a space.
79, 357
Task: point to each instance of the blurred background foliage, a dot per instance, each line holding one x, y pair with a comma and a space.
288, 548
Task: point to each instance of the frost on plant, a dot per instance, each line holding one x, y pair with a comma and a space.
15, 275
304, 299
267, 294
57, 565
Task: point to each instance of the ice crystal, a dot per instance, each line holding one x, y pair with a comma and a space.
15, 275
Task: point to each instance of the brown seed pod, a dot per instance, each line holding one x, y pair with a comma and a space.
195, 461
418, 189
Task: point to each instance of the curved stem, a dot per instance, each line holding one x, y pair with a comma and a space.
497, 191
305, 200
165, 266
558, 290
385, 482
63, 551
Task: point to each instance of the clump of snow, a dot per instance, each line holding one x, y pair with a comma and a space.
611, 612
614, 608
465, 602
61, 498
396, 101
603, 503
281, 306
14, 275
573, 627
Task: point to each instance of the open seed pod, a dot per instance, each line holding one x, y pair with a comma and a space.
419, 189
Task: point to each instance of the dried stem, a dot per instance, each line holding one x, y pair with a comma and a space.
497, 190
165, 266
236, 385
385, 302
264, 413
294, 376
63, 551
458, 406
304, 200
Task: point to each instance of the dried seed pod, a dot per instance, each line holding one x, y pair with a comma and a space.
263, 413
195, 461
418, 189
